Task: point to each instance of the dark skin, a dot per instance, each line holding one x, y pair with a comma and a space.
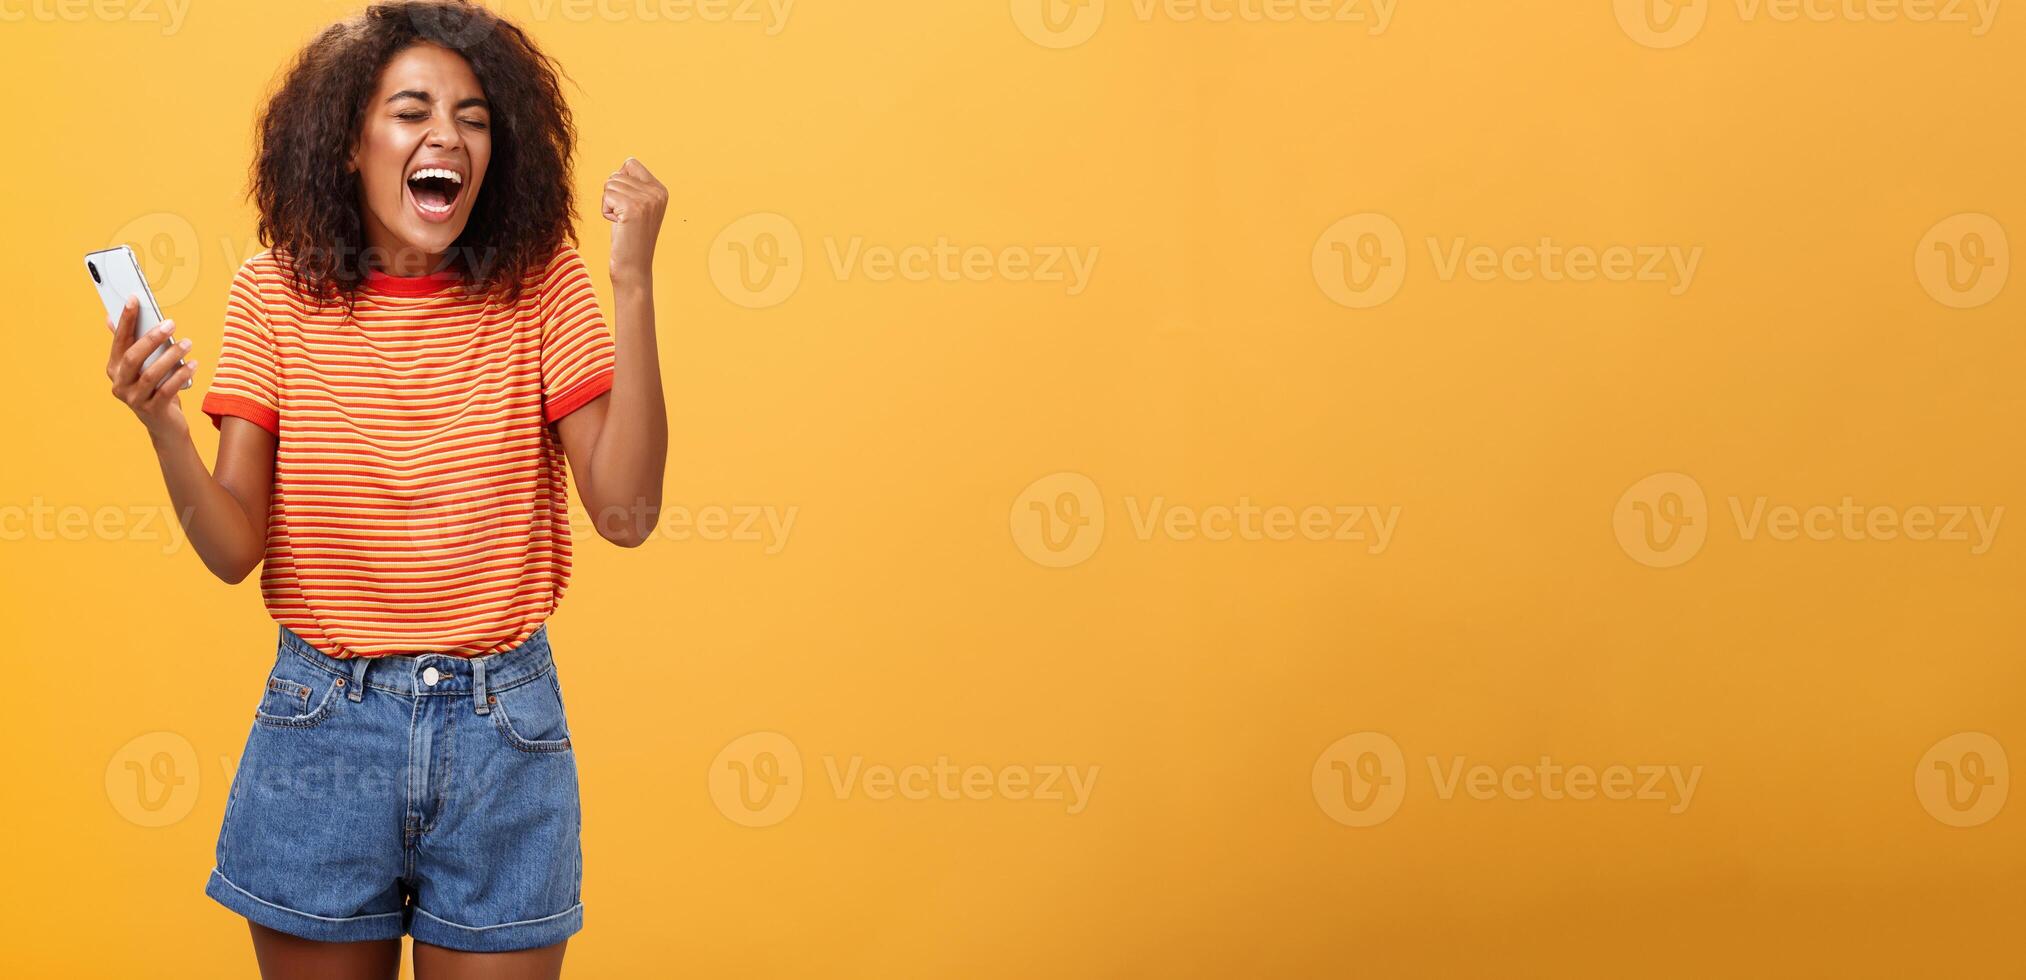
429, 106
286, 957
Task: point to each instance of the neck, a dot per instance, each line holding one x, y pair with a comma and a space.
394, 257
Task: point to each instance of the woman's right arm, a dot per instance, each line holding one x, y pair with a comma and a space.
224, 515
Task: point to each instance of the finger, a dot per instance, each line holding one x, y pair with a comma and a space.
618, 200
173, 383
151, 376
123, 330
129, 366
636, 168
621, 193
644, 190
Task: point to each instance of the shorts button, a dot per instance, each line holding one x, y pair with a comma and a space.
430, 676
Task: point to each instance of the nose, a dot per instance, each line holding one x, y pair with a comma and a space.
444, 135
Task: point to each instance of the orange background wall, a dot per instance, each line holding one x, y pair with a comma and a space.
1583, 307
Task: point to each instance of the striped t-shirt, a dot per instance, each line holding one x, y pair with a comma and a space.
421, 498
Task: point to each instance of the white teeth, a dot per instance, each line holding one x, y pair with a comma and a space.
442, 210
450, 175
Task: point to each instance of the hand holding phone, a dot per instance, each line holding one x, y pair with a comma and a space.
142, 377
116, 275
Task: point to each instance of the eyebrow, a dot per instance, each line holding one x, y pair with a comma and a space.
409, 93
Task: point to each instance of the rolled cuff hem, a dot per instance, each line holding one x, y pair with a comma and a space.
504, 938
218, 406
352, 929
578, 395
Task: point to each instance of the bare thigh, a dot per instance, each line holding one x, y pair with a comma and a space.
437, 963
286, 957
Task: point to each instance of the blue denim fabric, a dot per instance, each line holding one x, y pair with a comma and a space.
371, 802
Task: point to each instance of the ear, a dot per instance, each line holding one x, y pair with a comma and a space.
352, 158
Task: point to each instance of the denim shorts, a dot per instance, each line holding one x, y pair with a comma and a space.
428, 794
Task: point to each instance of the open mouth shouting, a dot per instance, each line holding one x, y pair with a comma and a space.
434, 190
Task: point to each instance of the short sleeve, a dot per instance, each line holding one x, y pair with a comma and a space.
246, 381
577, 349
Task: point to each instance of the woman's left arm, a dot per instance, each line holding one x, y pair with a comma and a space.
618, 442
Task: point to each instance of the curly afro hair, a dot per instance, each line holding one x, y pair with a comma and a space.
309, 204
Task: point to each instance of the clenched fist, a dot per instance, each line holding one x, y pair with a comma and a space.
634, 202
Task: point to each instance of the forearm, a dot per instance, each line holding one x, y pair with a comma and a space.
215, 521
632, 449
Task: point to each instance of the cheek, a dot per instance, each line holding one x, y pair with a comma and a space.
481, 163
380, 163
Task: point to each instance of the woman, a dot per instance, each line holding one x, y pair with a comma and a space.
405, 374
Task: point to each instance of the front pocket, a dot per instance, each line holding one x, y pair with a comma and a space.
298, 695
284, 699
529, 716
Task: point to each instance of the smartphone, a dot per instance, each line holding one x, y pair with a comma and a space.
116, 273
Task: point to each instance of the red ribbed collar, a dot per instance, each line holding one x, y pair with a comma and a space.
380, 282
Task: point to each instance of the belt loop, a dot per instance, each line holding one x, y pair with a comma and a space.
358, 690
478, 697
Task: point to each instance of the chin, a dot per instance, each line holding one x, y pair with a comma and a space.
434, 240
